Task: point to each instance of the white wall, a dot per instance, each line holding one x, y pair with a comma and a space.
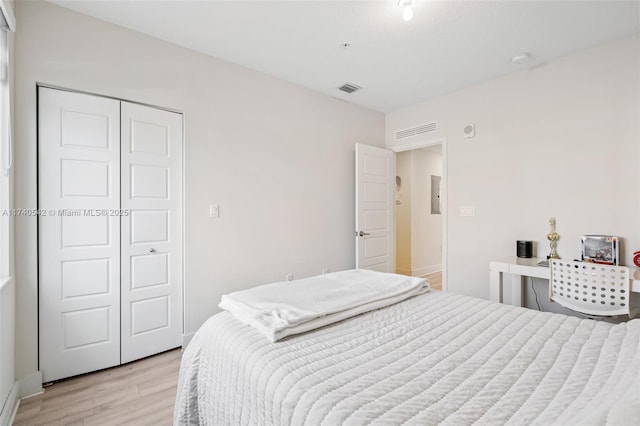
278, 158
561, 139
426, 228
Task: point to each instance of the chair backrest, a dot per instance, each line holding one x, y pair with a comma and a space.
590, 288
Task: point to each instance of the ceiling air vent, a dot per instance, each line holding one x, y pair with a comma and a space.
349, 88
418, 130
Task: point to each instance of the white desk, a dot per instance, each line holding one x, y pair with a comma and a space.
520, 269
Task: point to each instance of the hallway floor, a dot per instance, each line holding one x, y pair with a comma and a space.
435, 280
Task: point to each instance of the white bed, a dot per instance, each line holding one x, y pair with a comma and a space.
437, 358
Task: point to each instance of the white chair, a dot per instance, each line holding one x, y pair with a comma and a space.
591, 288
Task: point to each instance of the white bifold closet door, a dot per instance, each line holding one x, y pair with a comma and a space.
151, 234
109, 199
79, 251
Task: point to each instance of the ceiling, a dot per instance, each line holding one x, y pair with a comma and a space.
448, 44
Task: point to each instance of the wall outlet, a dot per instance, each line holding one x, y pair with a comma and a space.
288, 277
325, 270
214, 210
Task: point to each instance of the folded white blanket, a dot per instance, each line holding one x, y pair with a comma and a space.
281, 309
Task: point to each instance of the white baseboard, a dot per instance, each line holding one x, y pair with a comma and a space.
186, 338
426, 270
420, 271
10, 407
31, 385
403, 271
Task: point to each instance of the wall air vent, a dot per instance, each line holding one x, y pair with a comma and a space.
349, 88
418, 130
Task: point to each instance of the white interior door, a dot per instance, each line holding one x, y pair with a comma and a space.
151, 232
79, 241
375, 209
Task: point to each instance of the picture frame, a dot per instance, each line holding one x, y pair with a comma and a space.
601, 249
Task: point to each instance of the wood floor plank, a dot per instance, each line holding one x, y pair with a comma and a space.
64, 412
139, 393
25, 414
129, 412
156, 386
128, 393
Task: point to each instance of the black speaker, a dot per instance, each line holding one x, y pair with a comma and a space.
524, 248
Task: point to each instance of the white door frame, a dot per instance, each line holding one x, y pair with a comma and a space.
424, 143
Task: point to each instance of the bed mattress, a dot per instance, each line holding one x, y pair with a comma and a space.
437, 358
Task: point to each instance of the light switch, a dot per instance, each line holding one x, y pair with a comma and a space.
467, 210
214, 210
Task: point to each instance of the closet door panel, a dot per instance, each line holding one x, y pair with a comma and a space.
79, 242
151, 260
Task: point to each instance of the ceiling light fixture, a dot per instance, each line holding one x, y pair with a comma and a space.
407, 9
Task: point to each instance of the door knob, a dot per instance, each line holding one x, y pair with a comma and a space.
152, 250
362, 233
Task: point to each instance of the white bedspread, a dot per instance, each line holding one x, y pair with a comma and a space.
281, 309
437, 358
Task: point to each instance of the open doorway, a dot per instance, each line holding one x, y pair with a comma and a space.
419, 218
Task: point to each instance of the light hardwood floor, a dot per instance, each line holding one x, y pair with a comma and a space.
138, 393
